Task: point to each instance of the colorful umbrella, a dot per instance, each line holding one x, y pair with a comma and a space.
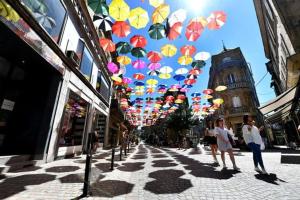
123, 47
190, 76
220, 88
154, 56
179, 77
178, 101
138, 83
174, 31
99, 7
124, 60
161, 13
122, 71
208, 91
156, 3
168, 50
216, 20
107, 45
116, 78
121, 29
208, 96
218, 101
201, 20
152, 82
164, 76
166, 70
154, 66
190, 81
181, 96
185, 60
202, 56
188, 50
153, 73
198, 64
196, 94
138, 18
177, 16
102, 22
127, 80
181, 71
139, 76
138, 52
139, 64
194, 31
138, 41
119, 10
112, 67
157, 31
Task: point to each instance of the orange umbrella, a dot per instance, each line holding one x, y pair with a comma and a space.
194, 30
195, 71
174, 31
138, 41
190, 81
154, 56
188, 50
107, 45
216, 20
138, 76
121, 29
208, 91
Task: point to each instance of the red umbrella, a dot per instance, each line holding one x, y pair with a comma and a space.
190, 81
194, 31
196, 99
181, 96
138, 41
107, 45
175, 31
188, 50
138, 76
154, 56
208, 91
216, 20
195, 71
121, 29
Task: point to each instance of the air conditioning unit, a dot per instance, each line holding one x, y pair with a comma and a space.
73, 56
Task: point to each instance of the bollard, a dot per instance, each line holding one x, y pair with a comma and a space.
112, 159
121, 153
86, 184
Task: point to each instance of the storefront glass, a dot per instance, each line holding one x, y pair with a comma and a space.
73, 122
86, 64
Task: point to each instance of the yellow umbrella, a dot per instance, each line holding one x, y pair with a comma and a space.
8, 12
119, 10
220, 88
164, 76
156, 3
151, 82
202, 20
138, 18
218, 101
116, 78
168, 50
161, 13
185, 60
208, 96
124, 60
178, 101
139, 87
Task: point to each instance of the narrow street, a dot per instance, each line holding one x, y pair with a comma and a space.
152, 173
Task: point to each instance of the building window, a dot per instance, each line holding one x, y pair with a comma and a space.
226, 59
49, 14
236, 102
86, 65
231, 78
104, 89
98, 84
269, 9
73, 122
284, 47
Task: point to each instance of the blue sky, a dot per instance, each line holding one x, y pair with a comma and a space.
241, 30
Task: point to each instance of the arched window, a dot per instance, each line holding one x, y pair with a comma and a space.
231, 78
236, 102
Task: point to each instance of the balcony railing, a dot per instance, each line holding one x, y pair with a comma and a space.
239, 110
238, 85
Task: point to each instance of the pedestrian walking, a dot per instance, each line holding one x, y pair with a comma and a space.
254, 141
211, 139
223, 143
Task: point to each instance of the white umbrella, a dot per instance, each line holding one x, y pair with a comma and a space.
44, 20
166, 70
202, 56
177, 16
103, 22
181, 71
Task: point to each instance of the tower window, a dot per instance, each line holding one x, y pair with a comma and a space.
231, 78
236, 101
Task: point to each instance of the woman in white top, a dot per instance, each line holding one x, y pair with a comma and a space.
210, 136
253, 139
224, 143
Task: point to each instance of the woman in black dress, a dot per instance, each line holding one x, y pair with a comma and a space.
211, 139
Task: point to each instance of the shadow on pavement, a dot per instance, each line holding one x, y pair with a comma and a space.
105, 167
25, 169
195, 151
138, 157
83, 161
15, 185
159, 156
163, 163
62, 169
101, 156
111, 188
131, 167
269, 178
168, 182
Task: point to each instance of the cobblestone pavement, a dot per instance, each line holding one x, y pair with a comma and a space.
151, 173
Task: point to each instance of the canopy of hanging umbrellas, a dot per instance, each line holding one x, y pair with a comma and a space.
140, 72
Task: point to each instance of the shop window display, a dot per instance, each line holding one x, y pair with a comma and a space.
74, 119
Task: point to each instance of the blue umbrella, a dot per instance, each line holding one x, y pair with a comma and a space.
196, 94
138, 83
179, 77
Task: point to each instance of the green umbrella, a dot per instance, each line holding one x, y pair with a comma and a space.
157, 31
99, 6
138, 52
198, 63
123, 47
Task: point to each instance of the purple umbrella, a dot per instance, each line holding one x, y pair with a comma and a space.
154, 66
112, 67
138, 64
127, 80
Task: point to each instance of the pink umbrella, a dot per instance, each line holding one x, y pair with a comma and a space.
216, 20
127, 80
112, 67
154, 66
184, 90
138, 64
